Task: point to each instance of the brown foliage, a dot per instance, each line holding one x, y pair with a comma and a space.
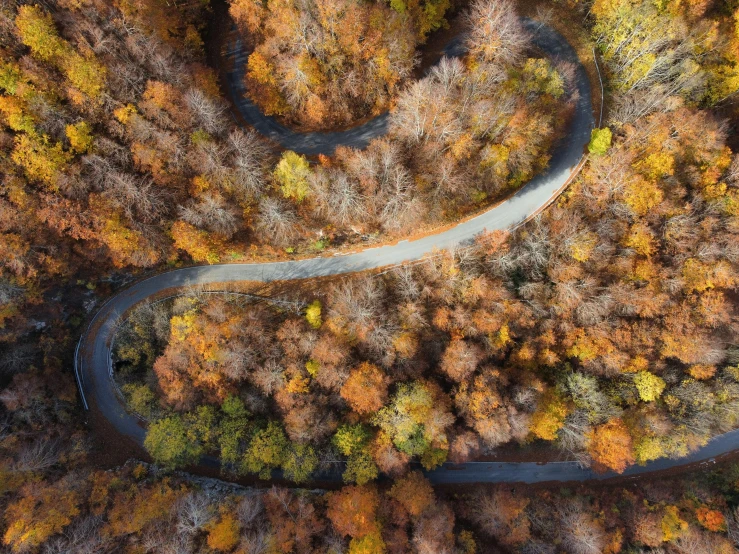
413, 492
610, 446
366, 389
352, 510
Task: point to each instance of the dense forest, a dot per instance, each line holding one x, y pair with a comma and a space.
326, 62
136, 509
117, 147
614, 340
602, 331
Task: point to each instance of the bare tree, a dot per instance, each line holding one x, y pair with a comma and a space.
586, 393
495, 33
160, 539
40, 455
337, 197
208, 111
157, 57
698, 541
357, 305
433, 531
194, 511
257, 542
572, 437
406, 283
276, 223
400, 210
249, 509
136, 197
9, 292
538, 547
269, 377
212, 213
449, 179
250, 158
581, 533
210, 159
732, 174
412, 115
334, 544
295, 83
655, 61
732, 525
82, 537
236, 360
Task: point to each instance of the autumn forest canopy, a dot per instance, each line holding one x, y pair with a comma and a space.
602, 331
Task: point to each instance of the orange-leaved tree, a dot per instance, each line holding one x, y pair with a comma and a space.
366, 388
610, 446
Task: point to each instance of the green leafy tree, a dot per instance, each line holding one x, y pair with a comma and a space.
232, 429
267, 451
169, 443
672, 524
650, 448
600, 141
433, 457
85, 73
17, 115
403, 418
37, 31
586, 394
300, 462
415, 419
549, 416
313, 314
368, 544
80, 137
312, 367
650, 386
360, 469
140, 397
202, 426
539, 75
10, 77
41, 160
351, 439
292, 174
233, 407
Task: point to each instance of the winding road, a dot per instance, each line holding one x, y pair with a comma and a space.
93, 365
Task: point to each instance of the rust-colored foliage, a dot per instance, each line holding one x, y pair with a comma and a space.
366, 388
352, 510
610, 446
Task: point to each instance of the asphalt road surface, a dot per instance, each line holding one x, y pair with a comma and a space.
93, 362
